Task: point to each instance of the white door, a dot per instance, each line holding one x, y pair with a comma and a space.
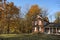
39, 28
35, 29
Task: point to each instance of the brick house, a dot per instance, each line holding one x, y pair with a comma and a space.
38, 24
43, 26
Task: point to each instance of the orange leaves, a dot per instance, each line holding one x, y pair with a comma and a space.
34, 10
11, 4
11, 8
10, 11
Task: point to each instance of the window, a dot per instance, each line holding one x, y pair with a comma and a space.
39, 28
58, 30
39, 23
35, 29
35, 22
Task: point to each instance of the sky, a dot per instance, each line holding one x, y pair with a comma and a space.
52, 6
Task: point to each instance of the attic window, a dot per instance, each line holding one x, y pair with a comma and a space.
38, 16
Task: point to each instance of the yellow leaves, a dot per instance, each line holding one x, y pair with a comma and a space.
11, 8
34, 9
10, 11
12, 29
2, 14
57, 15
11, 4
0, 0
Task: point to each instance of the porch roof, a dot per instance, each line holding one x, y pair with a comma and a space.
53, 25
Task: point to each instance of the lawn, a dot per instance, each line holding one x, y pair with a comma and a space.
28, 37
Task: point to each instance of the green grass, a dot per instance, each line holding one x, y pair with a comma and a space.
28, 37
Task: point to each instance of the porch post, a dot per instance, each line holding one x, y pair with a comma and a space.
56, 30
49, 31
52, 30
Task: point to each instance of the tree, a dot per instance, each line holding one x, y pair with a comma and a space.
31, 14
10, 18
0, 0
57, 16
44, 14
34, 10
13, 17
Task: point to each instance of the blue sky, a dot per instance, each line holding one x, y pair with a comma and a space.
52, 5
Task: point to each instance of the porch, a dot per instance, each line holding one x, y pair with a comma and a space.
52, 30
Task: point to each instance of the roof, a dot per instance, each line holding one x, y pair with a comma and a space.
53, 25
39, 17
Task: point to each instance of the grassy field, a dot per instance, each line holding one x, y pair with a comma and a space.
28, 37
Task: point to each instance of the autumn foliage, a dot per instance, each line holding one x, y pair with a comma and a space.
11, 22
9, 18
